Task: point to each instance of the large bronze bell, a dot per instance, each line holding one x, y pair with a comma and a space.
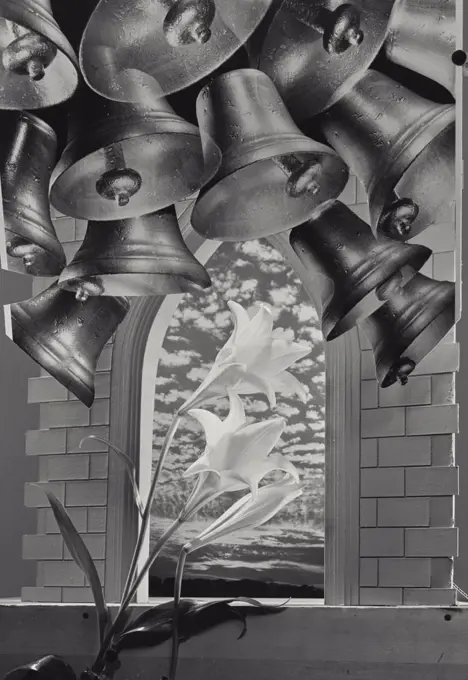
412, 322
125, 160
162, 46
314, 50
422, 37
139, 256
352, 264
28, 148
402, 148
65, 336
271, 177
38, 67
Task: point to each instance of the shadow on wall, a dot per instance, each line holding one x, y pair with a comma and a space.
16, 417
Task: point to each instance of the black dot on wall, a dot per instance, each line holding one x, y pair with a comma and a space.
85, 615
459, 57
447, 617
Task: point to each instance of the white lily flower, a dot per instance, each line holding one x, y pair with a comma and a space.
236, 456
250, 511
253, 360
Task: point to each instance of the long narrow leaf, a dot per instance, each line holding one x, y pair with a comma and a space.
47, 668
129, 466
83, 559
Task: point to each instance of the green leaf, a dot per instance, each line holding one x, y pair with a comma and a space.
155, 626
47, 668
83, 559
129, 466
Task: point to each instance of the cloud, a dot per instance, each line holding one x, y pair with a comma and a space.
285, 295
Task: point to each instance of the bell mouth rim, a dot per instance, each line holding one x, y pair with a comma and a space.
38, 123
52, 363
415, 259
442, 324
112, 284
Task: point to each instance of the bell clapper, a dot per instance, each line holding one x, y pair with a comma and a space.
29, 53
84, 288
118, 183
341, 28
188, 22
19, 247
302, 174
402, 369
397, 219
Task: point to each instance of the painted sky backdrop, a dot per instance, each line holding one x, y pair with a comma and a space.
247, 273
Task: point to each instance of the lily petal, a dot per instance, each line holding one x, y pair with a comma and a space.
214, 385
199, 466
260, 326
211, 424
241, 320
236, 417
252, 384
288, 384
254, 442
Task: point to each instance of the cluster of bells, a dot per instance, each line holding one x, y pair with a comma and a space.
247, 168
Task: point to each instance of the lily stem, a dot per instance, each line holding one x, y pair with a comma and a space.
175, 623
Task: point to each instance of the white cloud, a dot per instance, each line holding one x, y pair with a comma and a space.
286, 295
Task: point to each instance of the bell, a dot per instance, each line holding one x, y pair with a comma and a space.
352, 263
124, 160
422, 38
28, 148
412, 322
38, 67
162, 46
314, 50
140, 256
402, 148
64, 336
271, 177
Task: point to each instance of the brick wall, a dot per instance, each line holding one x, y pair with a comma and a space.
408, 478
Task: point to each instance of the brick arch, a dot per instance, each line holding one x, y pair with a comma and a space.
136, 354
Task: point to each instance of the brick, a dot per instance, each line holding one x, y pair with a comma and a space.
396, 572
348, 195
77, 595
441, 572
40, 283
99, 465
430, 597
382, 543
362, 211
443, 449
417, 391
65, 229
428, 267
364, 341
101, 386
361, 196
96, 544
444, 267
368, 453
367, 365
440, 238
383, 422
35, 594
97, 518
404, 451
105, 360
432, 419
45, 388
403, 512
432, 542
99, 414
368, 571
80, 229
444, 358
442, 511
42, 547
92, 492
47, 524
76, 434
59, 573
68, 466
380, 597
369, 394
35, 497
368, 512
54, 213
45, 441
377, 482
431, 481
443, 388
64, 414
